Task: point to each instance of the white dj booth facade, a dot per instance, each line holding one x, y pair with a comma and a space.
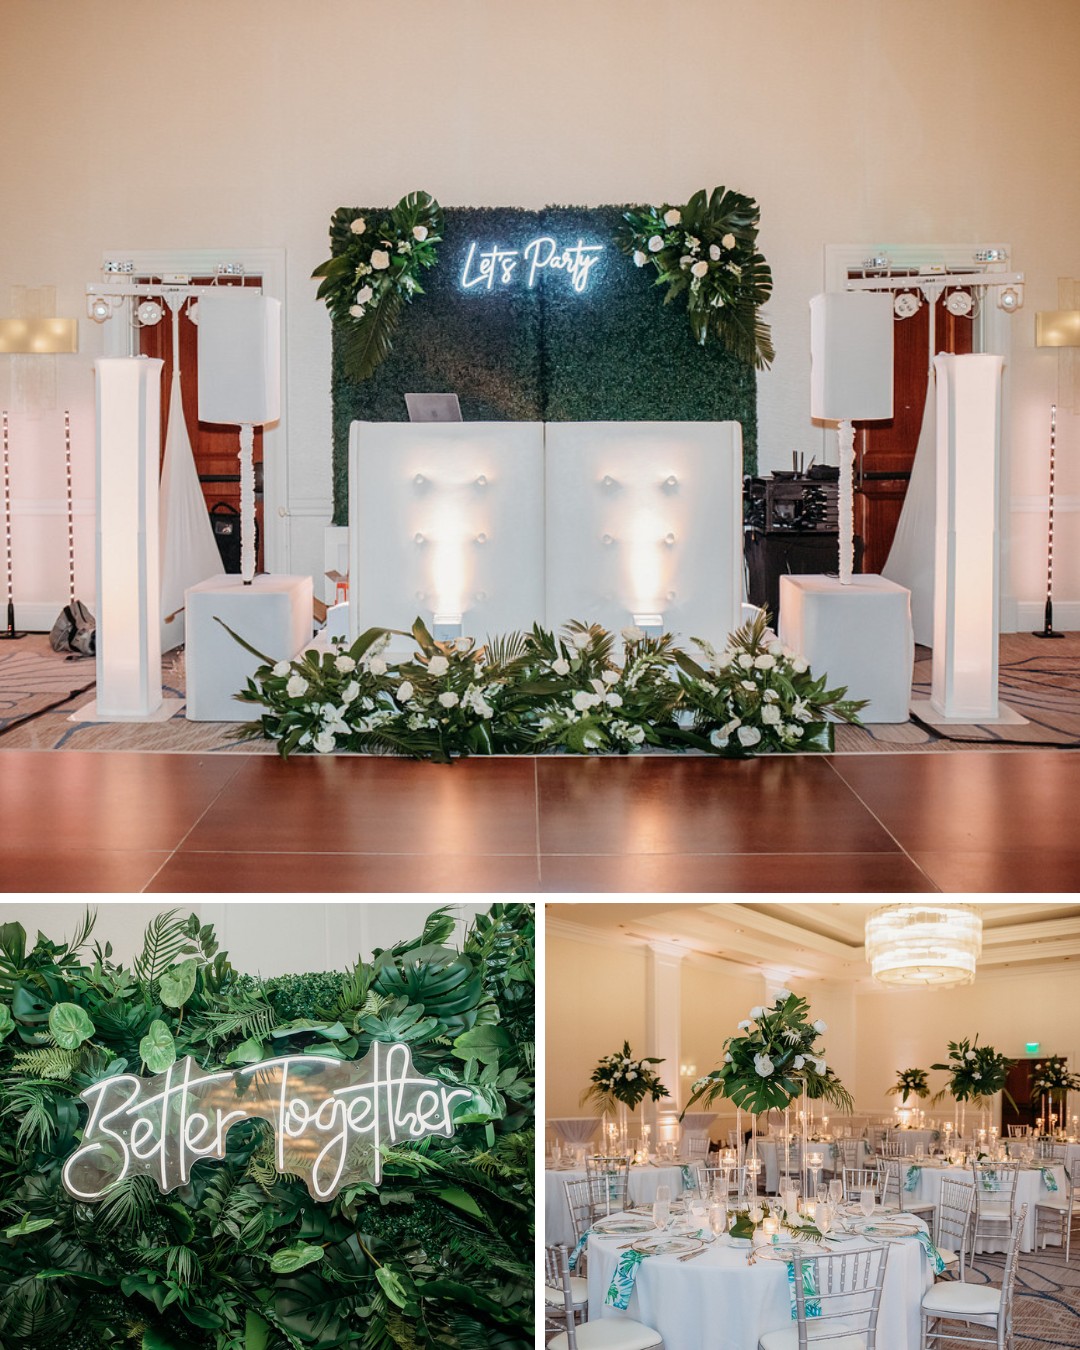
500, 525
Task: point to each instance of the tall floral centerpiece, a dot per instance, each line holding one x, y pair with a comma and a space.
1052, 1082
620, 1083
910, 1083
976, 1072
774, 1060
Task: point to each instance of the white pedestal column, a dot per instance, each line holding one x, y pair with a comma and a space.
663, 1025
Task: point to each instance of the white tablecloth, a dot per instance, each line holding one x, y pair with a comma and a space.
769, 1151
1030, 1190
1072, 1150
910, 1140
643, 1183
575, 1129
719, 1302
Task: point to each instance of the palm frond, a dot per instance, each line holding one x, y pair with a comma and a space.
165, 939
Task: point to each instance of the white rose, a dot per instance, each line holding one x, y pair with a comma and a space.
561, 666
798, 1061
438, 665
672, 217
297, 686
377, 666
770, 714
613, 700
771, 696
728, 241
611, 677
281, 669
794, 731
655, 244
746, 661
755, 1013
405, 691
763, 1065
640, 259
685, 261
821, 1027
820, 1065
765, 661
357, 311
714, 252
419, 233
800, 665
969, 1054
583, 700
380, 259
358, 226
581, 640
363, 295
749, 736
344, 664
633, 633
449, 699
744, 1026
783, 995
324, 742
700, 269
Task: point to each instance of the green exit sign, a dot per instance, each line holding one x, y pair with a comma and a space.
1032, 1047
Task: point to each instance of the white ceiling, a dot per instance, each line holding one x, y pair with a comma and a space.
815, 939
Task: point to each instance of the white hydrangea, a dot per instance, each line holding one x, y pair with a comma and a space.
281, 669
297, 686
640, 259
765, 661
438, 666
323, 742
655, 244
449, 699
405, 691
344, 664
610, 677
770, 714
783, 995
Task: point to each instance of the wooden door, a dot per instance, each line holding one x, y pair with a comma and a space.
885, 450
215, 448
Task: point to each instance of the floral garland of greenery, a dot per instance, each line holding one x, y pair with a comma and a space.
240, 1257
1053, 1076
528, 693
772, 1064
910, 1083
707, 251
975, 1070
374, 270
622, 1078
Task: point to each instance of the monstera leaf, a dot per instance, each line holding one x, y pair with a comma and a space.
448, 985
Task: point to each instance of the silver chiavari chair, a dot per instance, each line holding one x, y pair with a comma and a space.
974, 1305
837, 1298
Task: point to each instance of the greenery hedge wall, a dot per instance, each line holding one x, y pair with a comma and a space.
241, 1257
612, 353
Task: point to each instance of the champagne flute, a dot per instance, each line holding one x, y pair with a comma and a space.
661, 1210
718, 1217
825, 1213
867, 1201
836, 1191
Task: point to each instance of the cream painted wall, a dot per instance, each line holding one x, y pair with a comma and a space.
595, 1001
713, 1004
899, 1030
227, 123
263, 938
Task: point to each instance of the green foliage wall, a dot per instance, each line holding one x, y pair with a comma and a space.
613, 353
241, 1257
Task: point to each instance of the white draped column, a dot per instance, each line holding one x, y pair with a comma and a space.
663, 1025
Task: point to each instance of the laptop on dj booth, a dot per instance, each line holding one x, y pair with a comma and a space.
433, 407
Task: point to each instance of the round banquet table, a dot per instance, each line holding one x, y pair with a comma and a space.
769, 1151
1030, 1190
1072, 1153
575, 1129
719, 1301
910, 1140
643, 1183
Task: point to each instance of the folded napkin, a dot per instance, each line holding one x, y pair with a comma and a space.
811, 1300
1049, 1180
912, 1179
624, 1279
572, 1260
689, 1180
935, 1258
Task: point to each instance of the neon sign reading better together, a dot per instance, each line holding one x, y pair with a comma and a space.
487, 268
329, 1117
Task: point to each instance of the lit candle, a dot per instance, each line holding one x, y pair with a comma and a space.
770, 1226
809, 1209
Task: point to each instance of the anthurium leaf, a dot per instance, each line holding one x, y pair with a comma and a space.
300, 1254
482, 1043
70, 1025
157, 1047
392, 1286
7, 1022
178, 983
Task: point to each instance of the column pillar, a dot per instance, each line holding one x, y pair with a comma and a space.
663, 1031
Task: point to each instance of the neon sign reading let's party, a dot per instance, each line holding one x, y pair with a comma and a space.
487, 269
329, 1116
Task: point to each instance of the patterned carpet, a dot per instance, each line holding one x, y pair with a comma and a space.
39, 690
1046, 1309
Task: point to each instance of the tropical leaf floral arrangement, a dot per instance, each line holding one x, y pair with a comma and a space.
910, 1083
623, 1078
527, 693
975, 1071
707, 251
241, 1257
374, 270
774, 1059
1053, 1075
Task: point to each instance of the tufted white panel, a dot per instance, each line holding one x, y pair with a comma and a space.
645, 517
446, 518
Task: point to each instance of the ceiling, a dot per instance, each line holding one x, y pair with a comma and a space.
815, 939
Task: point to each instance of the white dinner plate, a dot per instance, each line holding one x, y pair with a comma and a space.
887, 1229
617, 1224
782, 1253
668, 1245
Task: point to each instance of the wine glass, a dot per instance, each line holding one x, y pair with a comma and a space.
825, 1215
718, 1217
661, 1210
867, 1201
836, 1191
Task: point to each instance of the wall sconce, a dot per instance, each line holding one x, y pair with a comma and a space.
481, 538
39, 337
607, 540
446, 627
608, 481
481, 480
671, 481
688, 1070
669, 539
420, 480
